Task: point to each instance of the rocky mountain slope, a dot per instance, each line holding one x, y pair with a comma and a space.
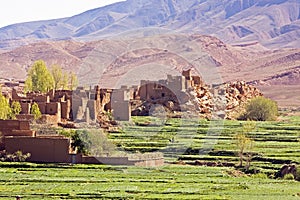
273, 23
112, 63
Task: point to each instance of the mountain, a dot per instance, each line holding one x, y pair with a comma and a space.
113, 62
273, 23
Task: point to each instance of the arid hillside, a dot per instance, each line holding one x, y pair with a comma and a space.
122, 61
273, 23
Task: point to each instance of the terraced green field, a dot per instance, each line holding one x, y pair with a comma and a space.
33, 181
275, 143
182, 141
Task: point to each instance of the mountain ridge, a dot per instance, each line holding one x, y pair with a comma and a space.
273, 23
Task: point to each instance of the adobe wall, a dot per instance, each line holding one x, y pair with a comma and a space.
106, 160
92, 105
14, 128
105, 96
42, 149
25, 108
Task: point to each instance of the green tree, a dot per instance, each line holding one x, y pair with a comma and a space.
65, 81
15, 109
261, 109
39, 78
57, 75
73, 81
245, 144
5, 110
90, 142
35, 111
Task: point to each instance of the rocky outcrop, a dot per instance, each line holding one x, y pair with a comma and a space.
226, 101
237, 95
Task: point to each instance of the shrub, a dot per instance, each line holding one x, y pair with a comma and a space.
297, 174
15, 109
90, 142
289, 177
35, 111
15, 157
260, 175
261, 109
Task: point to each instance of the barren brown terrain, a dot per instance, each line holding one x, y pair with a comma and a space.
116, 62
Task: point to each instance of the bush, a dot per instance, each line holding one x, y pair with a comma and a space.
15, 157
35, 111
90, 142
297, 174
289, 177
261, 109
260, 176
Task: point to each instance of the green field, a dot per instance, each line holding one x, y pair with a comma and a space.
276, 143
33, 181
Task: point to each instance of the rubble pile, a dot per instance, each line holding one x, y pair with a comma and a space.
202, 98
225, 101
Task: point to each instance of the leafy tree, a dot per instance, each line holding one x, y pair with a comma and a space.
261, 109
57, 75
15, 109
65, 81
35, 111
81, 141
89, 142
73, 81
245, 144
5, 110
39, 78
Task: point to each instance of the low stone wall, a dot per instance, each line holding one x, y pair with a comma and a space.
45, 119
154, 162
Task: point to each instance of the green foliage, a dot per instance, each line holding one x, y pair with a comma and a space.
245, 143
62, 79
57, 75
15, 109
297, 173
261, 109
260, 176
90, 142
57, 181
35, 111
289, 177
5, 110
39, 78
73, 81
15, 157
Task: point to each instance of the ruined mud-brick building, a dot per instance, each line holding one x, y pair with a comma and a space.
16, 135
189, 94
54, 105
80, 105
185, 93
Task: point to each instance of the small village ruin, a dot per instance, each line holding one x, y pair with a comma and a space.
178, 95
